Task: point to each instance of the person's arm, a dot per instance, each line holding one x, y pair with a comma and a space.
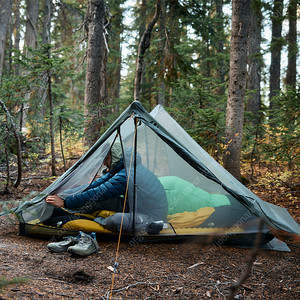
111, 188
59, 202
99, 181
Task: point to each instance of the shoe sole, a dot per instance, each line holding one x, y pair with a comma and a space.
57, 251
80, 254
85, 254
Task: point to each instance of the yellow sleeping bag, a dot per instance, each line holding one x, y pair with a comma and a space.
89, 225
189, 219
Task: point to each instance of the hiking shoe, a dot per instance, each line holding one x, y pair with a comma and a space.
86, 245
63, 245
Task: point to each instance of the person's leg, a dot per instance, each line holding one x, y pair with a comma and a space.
113, 204
113, 222
59, 217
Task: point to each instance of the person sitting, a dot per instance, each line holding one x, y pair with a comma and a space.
108, 193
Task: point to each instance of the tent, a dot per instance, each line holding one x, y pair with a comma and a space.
202, 197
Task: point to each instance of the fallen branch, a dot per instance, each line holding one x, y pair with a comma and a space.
236, 285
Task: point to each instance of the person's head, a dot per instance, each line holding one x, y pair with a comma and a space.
107, 160
114, 155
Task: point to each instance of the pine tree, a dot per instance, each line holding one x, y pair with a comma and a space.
5, 11
276, 45
237, 86
292, 44
254, 63
95, 54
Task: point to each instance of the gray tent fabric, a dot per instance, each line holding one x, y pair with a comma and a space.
276, 216
168, 152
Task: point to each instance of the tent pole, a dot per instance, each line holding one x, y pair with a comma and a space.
134, 176
147, 152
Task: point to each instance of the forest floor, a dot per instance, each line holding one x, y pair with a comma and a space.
185, 270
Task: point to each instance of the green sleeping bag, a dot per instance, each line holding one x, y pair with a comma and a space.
184, 196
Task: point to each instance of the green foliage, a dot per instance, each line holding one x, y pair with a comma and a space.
31, 89
282, 139
70, 120
5, 281
187, 62
192, 106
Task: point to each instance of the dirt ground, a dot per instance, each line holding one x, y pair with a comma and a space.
186, 270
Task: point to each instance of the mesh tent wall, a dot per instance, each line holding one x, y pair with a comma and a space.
196, 185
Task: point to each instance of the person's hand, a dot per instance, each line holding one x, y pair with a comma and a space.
55, 200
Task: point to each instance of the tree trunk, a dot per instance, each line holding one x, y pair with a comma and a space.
18, 143
5, 12
292, 44
92, 100
220, 47
47, 22
104, 99
42, 91
32, 11
61, 139
254, 63
31, 34
174, 35
115, 56
276, 45
237, 86
16, 31
161, 59
51, 124
142, 28
143, 46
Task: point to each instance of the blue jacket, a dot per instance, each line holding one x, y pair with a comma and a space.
151, 197
108, 186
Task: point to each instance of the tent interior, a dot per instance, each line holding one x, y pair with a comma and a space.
203, 199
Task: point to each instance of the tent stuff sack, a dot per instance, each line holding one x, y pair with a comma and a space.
173, 189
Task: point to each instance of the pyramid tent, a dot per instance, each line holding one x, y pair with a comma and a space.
202, 197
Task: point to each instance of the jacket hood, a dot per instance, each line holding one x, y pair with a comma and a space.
116, 154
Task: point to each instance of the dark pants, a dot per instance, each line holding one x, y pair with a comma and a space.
60, 217
113, 204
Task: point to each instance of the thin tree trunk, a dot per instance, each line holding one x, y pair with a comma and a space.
220, 47
105, 102
143, 46
142, 28
5, 12
161, 60
61, 139
7, 169
292, 46
31, 33
171, 40
51, 125
47, 22
18, 143
42, 91
115, 57
237, 86
254, 63
276, 46
16, 31
31, 36
92, 99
